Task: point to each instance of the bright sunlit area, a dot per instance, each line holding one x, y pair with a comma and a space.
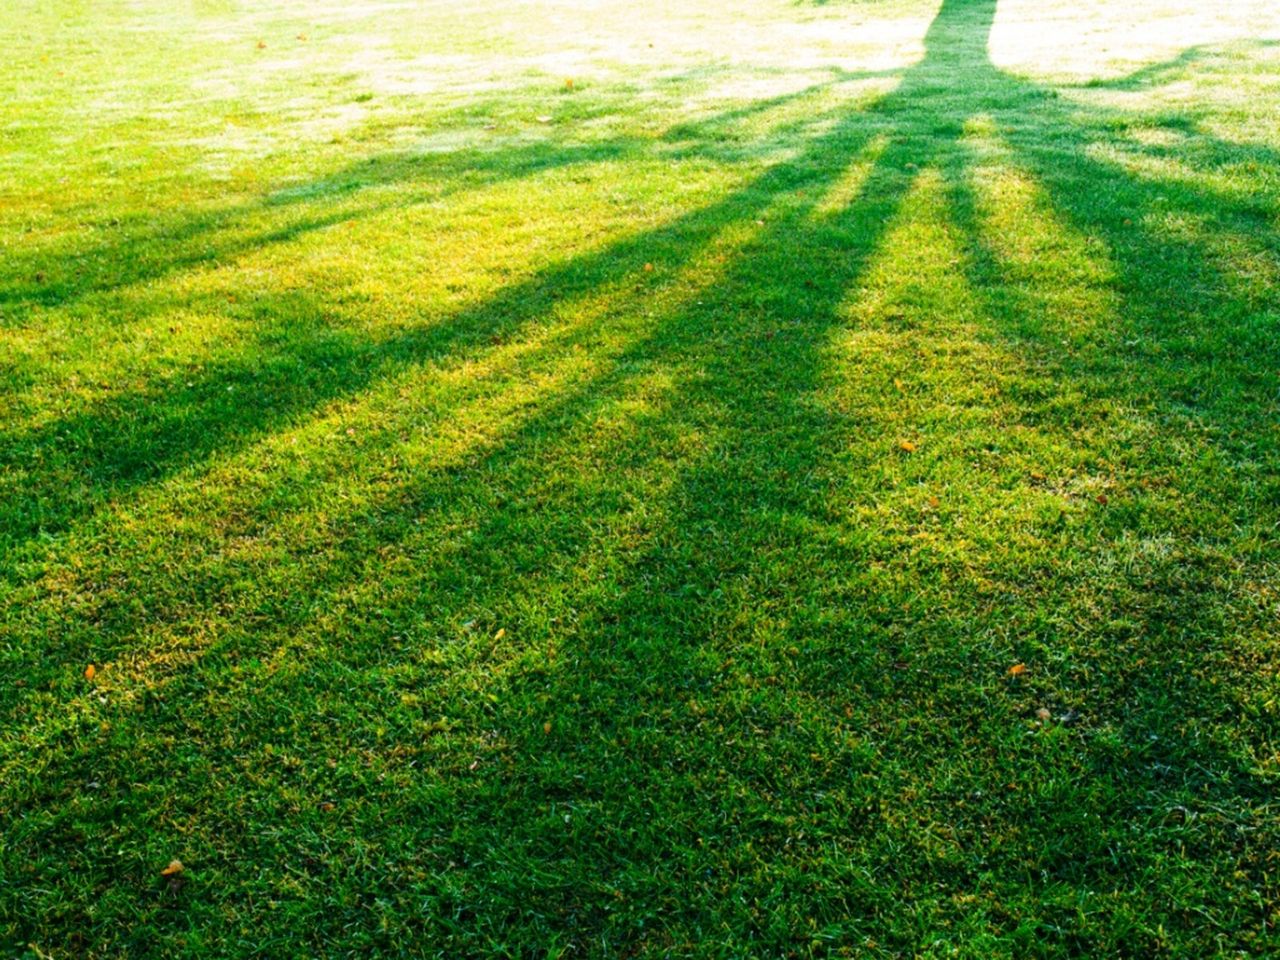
548, 479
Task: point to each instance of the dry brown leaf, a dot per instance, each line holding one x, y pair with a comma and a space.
1017, 670
906, 446
546, 727
174, 868
500, 634
1043, 713
90, 672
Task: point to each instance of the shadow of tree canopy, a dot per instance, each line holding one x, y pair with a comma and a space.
753, 648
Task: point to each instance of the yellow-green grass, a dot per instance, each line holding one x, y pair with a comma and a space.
597, 479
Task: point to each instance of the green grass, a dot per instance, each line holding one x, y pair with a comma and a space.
520, 518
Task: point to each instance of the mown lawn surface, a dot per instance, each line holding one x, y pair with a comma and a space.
538, 478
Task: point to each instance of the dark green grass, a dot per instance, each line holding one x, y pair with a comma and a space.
614, 537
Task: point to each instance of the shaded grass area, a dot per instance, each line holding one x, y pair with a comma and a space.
618, 543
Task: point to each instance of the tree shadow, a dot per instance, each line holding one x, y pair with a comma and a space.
295, 358
750, 520
754, 660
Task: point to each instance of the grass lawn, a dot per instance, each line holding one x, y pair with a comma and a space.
703, 478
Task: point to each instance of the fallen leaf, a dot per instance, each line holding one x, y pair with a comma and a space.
262, 44
1043, 714
906, 446
1017, 670
648, 268
500, 634
1102, 499
174, 868
543, 119
327, 806
568, 84
90, 672
546, 727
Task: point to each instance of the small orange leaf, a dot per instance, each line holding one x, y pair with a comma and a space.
327, 806
500, 634
906, 446
546, 727
648, 268
174, 868
1017, 670
90, 672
